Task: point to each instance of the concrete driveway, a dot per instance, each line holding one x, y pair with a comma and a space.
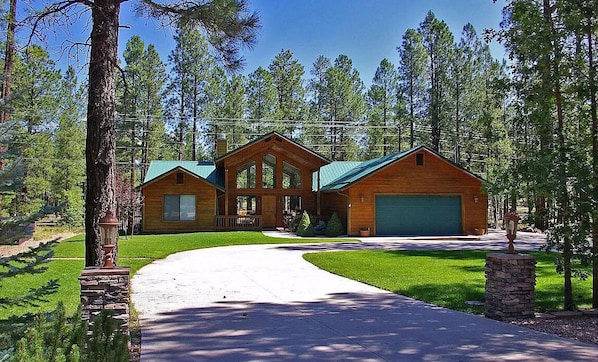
265, 303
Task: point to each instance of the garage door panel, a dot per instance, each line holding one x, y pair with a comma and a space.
418, 215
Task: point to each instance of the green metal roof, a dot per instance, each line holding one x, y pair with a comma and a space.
335, 176
203, 170
332, 171
366, 168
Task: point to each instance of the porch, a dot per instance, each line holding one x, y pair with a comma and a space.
239, 222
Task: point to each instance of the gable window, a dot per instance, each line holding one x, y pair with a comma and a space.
179, 178
246, 176
291, 176
179, 207
419, 159
268, 171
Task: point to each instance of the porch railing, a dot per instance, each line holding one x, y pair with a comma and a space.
239, 222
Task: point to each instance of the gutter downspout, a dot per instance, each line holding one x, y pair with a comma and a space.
318, 196
348, 211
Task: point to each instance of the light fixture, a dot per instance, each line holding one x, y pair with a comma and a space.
475, 198
108, 237
511, 221
361, 197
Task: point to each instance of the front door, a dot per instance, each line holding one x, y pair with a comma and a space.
269, 211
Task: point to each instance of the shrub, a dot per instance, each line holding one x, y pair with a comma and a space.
56, 338
334, 226
305, 228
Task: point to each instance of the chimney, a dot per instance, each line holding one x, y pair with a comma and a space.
221, 145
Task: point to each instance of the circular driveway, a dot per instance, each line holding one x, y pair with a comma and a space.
264, 302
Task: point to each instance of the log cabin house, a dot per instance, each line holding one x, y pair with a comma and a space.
257, 186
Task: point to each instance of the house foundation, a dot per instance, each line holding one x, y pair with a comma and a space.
510, 286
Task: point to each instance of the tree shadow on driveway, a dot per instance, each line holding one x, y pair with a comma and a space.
344, 327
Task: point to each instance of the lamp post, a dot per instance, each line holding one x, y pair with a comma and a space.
511, 220
108, 236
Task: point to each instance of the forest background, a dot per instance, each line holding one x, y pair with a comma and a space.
528, 127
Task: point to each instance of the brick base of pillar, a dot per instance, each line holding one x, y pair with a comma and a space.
105, 289
510, 286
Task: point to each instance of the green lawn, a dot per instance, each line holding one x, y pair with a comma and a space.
445, 278
134, 252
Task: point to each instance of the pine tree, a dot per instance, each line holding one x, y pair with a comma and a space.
412, 77
228, 24
305, 228
261, 99
287, 75
384, 112
334, 227
438, 42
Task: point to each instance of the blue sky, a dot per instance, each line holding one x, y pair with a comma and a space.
365, 30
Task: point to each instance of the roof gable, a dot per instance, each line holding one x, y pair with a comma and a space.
367, 168
202, 170
269, 137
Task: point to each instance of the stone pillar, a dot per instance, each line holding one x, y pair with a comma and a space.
105, 288
510, 284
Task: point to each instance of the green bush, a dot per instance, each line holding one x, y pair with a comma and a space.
334, 226
305, 228
55, 338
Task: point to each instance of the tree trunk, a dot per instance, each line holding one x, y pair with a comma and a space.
594, 115
101, 112
195, 114
131, 220
411, 115
9, 58
564, 216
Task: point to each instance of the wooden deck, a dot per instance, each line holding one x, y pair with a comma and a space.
239, 222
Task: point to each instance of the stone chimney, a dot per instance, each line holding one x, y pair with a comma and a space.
221, 145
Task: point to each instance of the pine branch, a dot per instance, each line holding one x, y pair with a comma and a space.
229, 24
32, 297
27, 262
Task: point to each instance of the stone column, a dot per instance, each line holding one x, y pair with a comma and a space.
105, 288
510, 286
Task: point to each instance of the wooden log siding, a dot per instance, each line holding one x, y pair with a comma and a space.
153, 204
435, 177
284, 152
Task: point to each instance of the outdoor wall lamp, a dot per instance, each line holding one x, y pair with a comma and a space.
108, 237
511, 220
362, 197
475, 198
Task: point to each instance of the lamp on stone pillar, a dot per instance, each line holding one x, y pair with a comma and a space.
511, 220
108, 236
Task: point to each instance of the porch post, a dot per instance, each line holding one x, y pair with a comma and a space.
226, 191
319, 211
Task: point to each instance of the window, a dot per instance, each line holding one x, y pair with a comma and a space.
268, 171
179, 178
179, 207
419, 159
291, 176
246, 176
291, 203
245, 205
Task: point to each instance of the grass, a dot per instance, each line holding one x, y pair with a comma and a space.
442, 277
446, 278
48, 232
135, 252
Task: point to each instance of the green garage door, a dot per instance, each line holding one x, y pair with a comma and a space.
418, 215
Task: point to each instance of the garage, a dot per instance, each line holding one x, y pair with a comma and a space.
418, 215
